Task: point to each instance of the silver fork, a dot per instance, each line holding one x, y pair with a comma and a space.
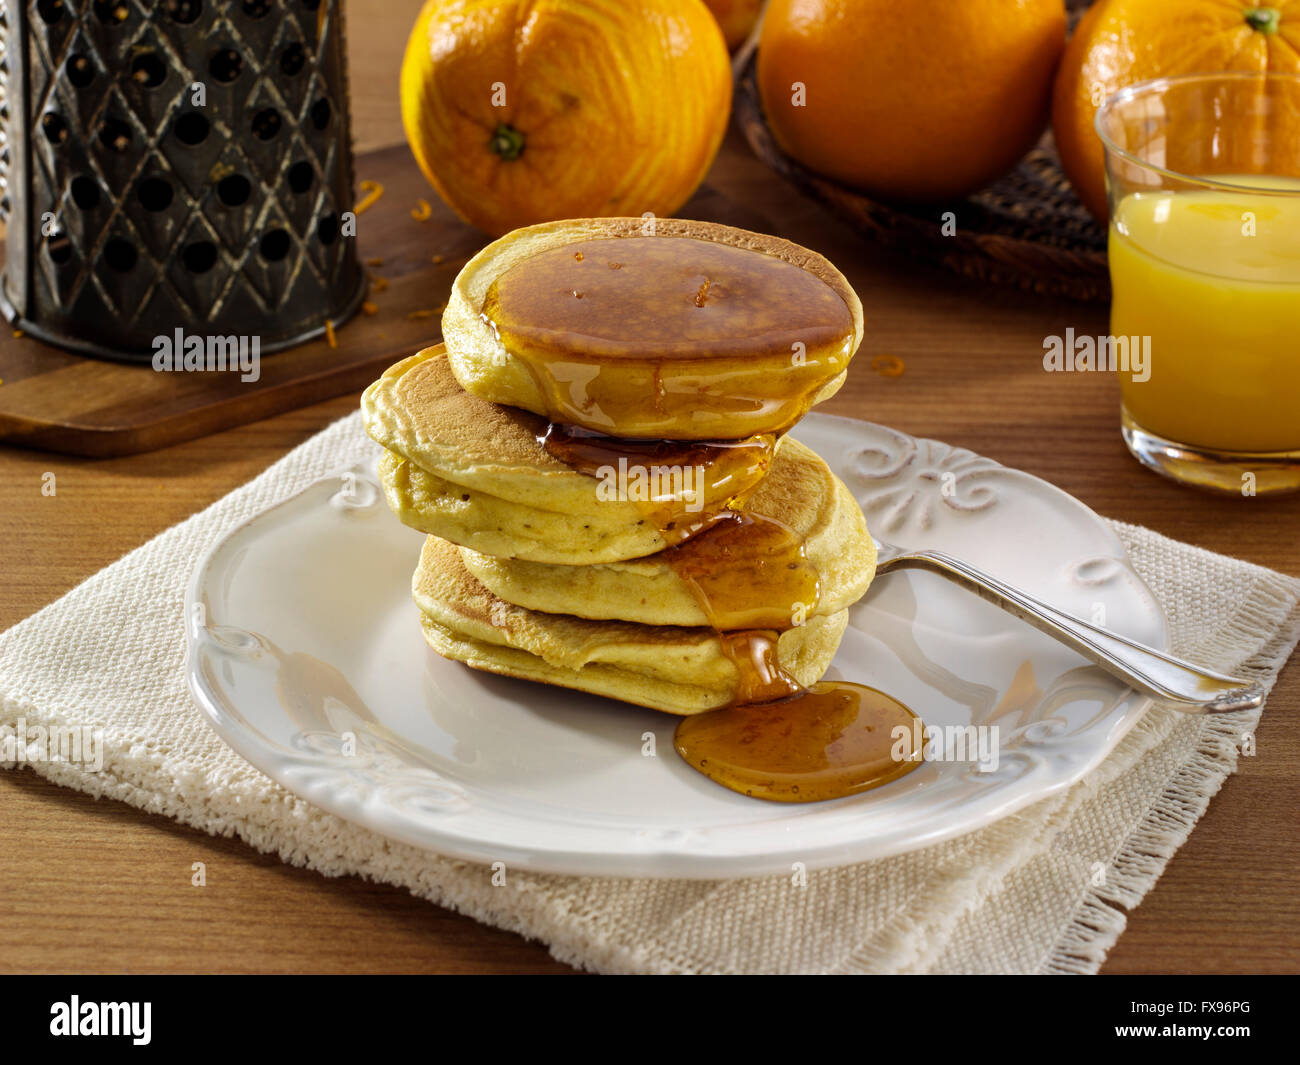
1183, 685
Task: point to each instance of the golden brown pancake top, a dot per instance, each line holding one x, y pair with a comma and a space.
429, 400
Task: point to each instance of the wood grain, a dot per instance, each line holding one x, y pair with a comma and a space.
98, 886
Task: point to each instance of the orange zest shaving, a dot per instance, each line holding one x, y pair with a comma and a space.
376, 261
378, 284
888, 365
369, 308
330, 338
373, 190
423, 211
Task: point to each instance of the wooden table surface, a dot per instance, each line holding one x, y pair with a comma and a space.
98, 886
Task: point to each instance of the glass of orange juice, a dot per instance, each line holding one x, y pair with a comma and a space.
1203, 175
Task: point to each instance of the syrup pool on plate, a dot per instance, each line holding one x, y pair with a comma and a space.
826, 742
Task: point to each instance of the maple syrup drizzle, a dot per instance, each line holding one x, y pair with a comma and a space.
752, 579
749, 572
779, 740
699, 483
711, 334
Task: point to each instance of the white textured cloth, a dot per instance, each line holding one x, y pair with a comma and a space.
1041, 891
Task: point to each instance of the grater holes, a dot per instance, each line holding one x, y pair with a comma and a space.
120, 255
79, 69
184, 11
311, 5
59, 248
226, 65
266, 124
154, 194
85, 192
115, 135
274, 245
191, 128
148, 70
115, 131
292, 59
301, 176
111, 12
54, 128
234, 190
50, 11
199, 257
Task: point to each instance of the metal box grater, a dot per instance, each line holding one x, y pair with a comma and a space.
175, 164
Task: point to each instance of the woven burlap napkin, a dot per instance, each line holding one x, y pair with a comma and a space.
1042, 891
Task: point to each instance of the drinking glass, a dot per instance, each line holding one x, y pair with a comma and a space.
1203, 178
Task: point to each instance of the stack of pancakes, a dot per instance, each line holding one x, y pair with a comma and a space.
532, 567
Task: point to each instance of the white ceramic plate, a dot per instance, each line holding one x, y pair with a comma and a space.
311, 638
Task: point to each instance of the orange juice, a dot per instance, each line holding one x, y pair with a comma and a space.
1213, 278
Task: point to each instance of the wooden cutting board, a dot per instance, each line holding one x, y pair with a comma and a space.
58, 401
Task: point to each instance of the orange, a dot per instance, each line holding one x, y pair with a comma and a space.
1121, 42
917, 100
523, 111
736, 17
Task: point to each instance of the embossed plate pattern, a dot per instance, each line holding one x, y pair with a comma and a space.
307, 658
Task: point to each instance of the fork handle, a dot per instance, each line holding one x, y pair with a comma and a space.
1189, 687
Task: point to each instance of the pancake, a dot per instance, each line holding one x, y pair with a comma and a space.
800, 493
675, 669
697, 332
476, 473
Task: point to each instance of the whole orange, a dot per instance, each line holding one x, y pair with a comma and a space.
1121, 42
524, 111
736, 17
924, 100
